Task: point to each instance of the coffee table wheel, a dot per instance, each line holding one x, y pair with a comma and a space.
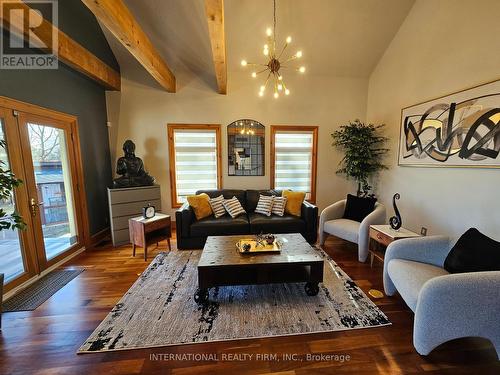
311, 289
201, 295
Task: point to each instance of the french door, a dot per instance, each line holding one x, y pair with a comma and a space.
41, 151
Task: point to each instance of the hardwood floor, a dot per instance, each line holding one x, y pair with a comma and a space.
44, 341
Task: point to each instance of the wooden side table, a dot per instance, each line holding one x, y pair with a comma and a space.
144, 232
383, 235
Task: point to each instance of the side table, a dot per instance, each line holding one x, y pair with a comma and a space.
144, 232
383, 235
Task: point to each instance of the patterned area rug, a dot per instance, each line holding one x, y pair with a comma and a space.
159, 310
40, 291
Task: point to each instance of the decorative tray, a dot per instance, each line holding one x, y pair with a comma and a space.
258, 247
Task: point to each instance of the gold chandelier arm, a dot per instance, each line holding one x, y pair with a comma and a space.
294, 57
267, 80
283, 50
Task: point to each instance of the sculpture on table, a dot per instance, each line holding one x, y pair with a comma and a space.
131, 169
395, 221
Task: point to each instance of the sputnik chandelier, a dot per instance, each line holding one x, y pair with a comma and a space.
276, 62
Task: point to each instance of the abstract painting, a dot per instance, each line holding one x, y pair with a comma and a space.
458, 130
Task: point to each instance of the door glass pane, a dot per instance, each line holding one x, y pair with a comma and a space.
11, 255
54, 188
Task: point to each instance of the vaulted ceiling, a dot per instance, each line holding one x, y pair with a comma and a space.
338, 37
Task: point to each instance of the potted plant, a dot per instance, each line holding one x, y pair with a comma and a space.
363, 148
8, 220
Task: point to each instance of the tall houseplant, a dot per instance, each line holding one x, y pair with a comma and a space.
363, 148
8, 182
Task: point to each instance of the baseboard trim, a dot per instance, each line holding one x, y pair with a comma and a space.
98, 237
27, 283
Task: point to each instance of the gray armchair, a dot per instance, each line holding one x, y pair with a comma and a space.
446, 306
331, 222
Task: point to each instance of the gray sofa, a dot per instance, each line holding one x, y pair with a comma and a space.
446, 306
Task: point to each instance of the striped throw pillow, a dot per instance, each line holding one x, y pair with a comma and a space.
217, 205
265, 205
233, 206
279, 204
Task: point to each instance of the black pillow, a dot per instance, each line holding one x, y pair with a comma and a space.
473, 252
357, 208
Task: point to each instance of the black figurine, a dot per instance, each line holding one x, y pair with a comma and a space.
395, 221
131, 169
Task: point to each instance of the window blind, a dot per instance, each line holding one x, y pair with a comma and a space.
195, 161
293, 161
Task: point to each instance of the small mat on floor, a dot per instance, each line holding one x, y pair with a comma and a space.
159, 309
40, 291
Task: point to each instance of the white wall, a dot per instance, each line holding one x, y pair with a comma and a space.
323, 101
442, 47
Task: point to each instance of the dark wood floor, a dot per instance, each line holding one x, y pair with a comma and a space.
44, 341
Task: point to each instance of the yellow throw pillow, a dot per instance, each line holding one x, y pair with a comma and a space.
200, 204
294, 201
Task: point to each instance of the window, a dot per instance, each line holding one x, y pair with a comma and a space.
194, 157
294, 159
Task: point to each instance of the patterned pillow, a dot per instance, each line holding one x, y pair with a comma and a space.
217, 205
233, 206
279, 204
265, 205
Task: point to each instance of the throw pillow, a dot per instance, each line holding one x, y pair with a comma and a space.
294, 200
265, 205
279, 204
200, 204
233, 206
217, 205
357, 208
473, 252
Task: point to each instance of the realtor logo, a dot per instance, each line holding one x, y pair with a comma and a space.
29, 34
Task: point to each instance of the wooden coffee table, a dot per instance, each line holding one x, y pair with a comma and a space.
221, 264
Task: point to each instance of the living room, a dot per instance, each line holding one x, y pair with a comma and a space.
289, 186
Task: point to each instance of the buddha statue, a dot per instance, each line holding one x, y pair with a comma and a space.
131, 169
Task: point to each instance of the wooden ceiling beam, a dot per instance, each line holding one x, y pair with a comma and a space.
69, 51
214, 10
118, 19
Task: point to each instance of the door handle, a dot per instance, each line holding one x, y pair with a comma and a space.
34, 206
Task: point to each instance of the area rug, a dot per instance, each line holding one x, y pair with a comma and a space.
159, 309
40, 291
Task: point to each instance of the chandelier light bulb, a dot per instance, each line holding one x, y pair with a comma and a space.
254, 74
276, 95
299, 54
269, 31
289, 39
280, 78
280, 87
302, 69
266, 52
242, 132
244, 63
287, 92
262, 88
261, 93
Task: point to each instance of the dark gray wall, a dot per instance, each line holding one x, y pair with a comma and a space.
67, 91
